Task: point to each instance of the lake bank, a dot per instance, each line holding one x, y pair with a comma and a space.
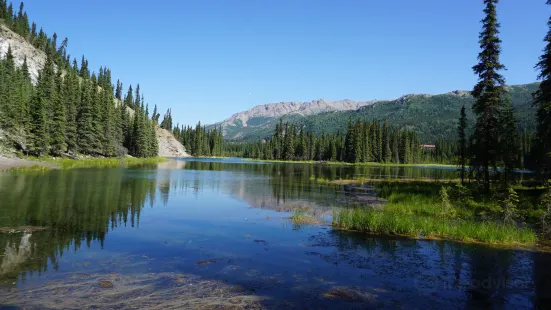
374, 164
29, 164
10, 164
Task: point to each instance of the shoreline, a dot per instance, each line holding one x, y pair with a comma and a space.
19, 164
30, 164
540, 246
374, 164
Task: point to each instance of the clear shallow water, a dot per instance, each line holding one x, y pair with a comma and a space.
206, 233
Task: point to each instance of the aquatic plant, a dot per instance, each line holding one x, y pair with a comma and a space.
303, 216
396, 223
434, 210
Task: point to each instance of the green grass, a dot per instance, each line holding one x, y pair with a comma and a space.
414, 209
396, 223
33, 168
66, 163
302, 216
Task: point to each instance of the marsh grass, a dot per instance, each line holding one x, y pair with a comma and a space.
396, 223
66, 163
33, 168
302, 216
418, 209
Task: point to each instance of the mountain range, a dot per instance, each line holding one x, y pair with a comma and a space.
433, 117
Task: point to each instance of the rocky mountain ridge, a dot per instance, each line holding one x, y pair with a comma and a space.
433, 116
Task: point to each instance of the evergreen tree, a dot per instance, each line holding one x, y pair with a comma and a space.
542, 101
508, 142
462, 140
487, 93
71, 97
387, 153
58, 143
85, 131
40, 107
349, 144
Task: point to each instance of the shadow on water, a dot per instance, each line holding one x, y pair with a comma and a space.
184, 235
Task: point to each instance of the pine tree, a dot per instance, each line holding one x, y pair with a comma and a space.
71, 97
387, 153
349, 144
57, 138
488, 92
379, 142
85, 136
41, 107
462, 141
542, 101
508, 142
395, 147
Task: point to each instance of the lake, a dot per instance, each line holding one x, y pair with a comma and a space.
216, 233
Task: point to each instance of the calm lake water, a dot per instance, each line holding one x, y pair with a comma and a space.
215, 233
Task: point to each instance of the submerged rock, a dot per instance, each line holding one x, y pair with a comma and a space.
206, 261
105, 284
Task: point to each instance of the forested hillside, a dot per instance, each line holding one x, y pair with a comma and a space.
432, 117
70, 110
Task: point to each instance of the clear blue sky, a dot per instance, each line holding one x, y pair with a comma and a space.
208, 59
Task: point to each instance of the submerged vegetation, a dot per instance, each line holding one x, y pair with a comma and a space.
303, 216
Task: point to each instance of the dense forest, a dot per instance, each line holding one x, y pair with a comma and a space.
362, 142
70, 110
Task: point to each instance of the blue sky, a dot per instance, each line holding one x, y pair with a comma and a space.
208, 59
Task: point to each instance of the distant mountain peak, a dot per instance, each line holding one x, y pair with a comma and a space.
276, 110
431, 114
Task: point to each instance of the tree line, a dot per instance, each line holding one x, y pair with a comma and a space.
70, 110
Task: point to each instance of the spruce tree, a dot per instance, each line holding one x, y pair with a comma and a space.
58, 143
41, 110
349, 144
487, 93
508, 142
542, 102
387, 153
71, 96
85, 135
395, 147
462, 141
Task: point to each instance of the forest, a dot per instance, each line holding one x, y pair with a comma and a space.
70, 110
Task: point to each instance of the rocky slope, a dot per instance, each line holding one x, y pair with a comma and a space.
21, 49
168, 145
